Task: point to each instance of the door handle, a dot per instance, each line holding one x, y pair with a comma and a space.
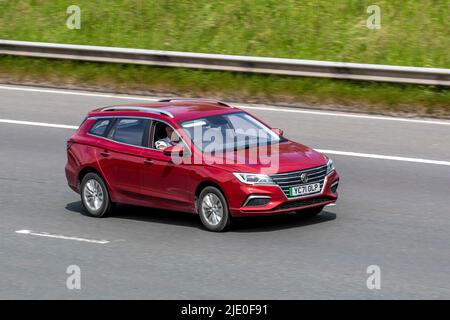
105, 153
148, 161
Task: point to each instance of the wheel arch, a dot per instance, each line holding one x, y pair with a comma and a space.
202, 185
207, 183
83, 172
90, 169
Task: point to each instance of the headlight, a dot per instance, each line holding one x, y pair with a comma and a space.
330, 166
253, 178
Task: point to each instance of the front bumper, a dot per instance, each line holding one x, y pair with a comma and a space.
276, 201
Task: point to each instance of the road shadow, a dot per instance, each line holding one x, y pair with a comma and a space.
279, 222
242, 225
136, 213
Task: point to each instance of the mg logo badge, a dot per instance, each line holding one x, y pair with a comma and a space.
304, 178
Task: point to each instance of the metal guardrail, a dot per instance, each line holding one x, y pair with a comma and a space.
278, 66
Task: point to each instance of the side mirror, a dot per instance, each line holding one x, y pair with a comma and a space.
278, 131
176, 151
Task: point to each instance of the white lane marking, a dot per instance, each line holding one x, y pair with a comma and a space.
384, 157
78, 93
276, 109
349, 115
341, 153
38, 124
57, 236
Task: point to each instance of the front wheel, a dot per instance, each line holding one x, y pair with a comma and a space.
95, 196
311, 212
212, 208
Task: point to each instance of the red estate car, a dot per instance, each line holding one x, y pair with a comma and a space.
197, 156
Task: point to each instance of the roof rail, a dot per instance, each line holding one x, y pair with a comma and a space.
196, 99
143, 109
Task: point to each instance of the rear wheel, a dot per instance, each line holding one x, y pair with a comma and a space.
212, 208
311, 212
95, 196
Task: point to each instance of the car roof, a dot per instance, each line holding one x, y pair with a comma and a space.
176, 109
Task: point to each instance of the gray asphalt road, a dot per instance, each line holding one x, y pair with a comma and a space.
393, 214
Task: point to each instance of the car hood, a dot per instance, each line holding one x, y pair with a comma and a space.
283, 157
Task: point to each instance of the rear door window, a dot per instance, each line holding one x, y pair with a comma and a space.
130, 131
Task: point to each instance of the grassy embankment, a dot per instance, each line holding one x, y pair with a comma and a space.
413, 33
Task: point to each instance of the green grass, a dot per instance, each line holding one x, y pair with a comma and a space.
413, 32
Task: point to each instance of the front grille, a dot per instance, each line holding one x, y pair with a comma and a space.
292, 179
302, 203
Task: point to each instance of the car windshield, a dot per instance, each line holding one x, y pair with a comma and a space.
227, 132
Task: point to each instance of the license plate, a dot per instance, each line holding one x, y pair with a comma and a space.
304, 190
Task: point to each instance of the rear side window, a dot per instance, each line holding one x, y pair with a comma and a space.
129, 131
100, 126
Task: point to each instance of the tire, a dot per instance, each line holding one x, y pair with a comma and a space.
311, 212
212, 207
94, 196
